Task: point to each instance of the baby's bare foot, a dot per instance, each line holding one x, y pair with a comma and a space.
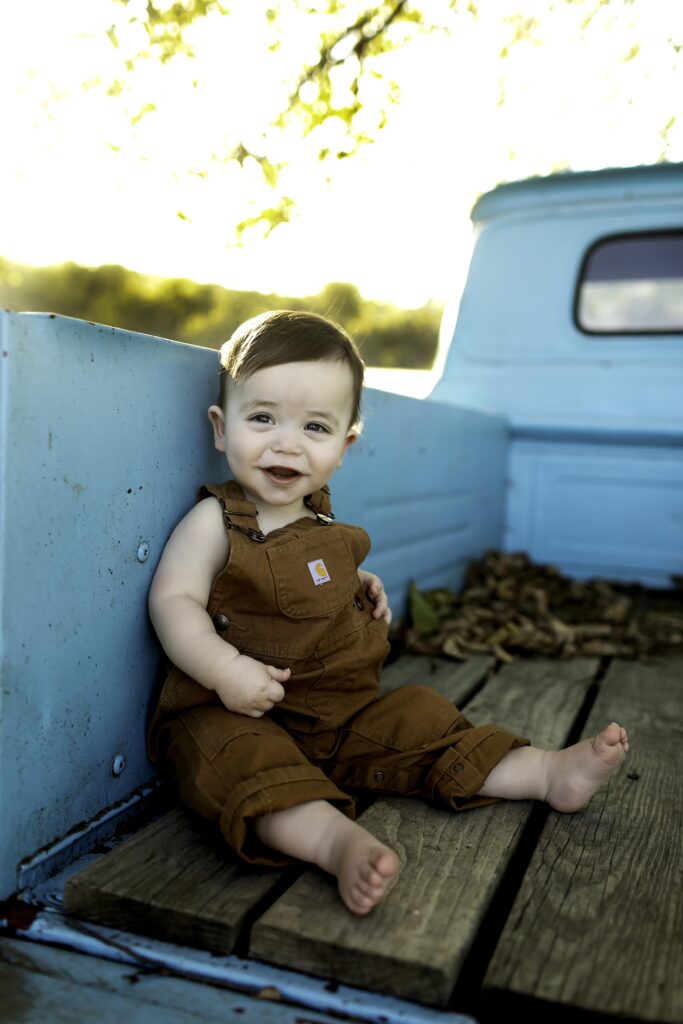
364, 867
574, 774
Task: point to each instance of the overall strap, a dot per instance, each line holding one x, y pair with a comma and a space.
319, 502
238, 513
241, 514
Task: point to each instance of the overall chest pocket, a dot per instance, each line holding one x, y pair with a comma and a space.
314, 576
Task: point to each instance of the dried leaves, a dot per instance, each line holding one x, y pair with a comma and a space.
510, 607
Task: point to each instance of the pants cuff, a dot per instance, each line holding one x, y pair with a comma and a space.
263, 795
461, 771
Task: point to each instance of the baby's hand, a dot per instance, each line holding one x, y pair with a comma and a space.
253, 688
374, 589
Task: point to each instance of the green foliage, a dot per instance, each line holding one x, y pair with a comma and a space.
326, 72
206, 314
165, 26
423, 615
335, 90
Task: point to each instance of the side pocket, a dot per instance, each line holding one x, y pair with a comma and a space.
212, 729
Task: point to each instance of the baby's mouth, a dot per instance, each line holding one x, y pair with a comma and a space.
281, 473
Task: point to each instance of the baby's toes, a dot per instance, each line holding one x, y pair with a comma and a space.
368, 873
618, 734
366, 889
375, 879
360, 900
611, 734
385, 864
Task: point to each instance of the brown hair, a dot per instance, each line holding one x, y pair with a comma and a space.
288, 336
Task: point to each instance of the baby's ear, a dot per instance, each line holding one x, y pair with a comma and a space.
218, 423
350, 439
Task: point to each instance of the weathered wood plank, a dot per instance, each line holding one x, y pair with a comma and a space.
414, 943
598, 921
176, 880
537, 698
454, 679
39, 983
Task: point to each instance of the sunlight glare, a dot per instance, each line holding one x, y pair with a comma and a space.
84, 183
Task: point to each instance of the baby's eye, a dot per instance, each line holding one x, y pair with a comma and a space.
261, 417
317, 428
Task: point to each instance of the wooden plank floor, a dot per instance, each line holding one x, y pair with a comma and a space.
178, 881
175, 881
431, 939
415, 942
598, 921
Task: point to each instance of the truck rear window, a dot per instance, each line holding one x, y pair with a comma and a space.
632, 284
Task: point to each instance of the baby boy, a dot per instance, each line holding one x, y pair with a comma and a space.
270, 715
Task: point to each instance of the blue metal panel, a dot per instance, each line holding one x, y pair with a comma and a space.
105, 440
516, 351
617, 185
591, 509
427, 482
104, 444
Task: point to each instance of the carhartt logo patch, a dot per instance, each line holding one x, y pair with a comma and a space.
319, 572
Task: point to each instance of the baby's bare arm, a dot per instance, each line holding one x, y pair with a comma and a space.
196, 551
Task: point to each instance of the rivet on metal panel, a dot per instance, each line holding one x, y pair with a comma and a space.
143, 552
118, 765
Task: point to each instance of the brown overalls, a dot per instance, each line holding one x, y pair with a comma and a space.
293, 599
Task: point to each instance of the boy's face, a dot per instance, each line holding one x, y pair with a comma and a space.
286, 429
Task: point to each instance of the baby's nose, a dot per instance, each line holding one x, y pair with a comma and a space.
287, 442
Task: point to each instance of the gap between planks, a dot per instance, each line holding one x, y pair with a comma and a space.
598, 921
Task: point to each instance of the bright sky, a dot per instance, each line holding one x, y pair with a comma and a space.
77, 182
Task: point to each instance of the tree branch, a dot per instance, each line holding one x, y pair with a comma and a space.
327, 61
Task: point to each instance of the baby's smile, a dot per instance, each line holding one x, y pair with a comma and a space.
281, 474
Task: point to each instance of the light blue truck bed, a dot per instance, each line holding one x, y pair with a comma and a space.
539, 436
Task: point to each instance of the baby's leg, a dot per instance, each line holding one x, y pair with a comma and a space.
566, 779
319, 833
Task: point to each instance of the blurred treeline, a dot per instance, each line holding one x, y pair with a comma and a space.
206, 314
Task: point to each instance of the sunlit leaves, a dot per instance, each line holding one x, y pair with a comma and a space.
148, 108
165, 25
269, 219
335, 100
325, 75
